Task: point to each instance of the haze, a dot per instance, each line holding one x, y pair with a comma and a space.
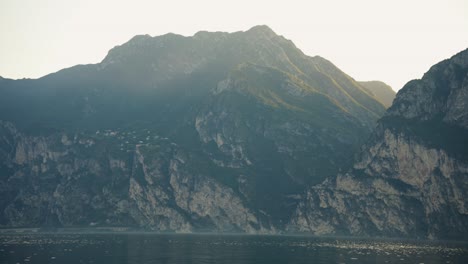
392, 41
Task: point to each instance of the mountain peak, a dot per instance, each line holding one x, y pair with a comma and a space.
442, 93
262, 29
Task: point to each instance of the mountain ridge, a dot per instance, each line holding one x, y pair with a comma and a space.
382, 91
165, 131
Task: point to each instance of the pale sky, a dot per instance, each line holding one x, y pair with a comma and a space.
393, 41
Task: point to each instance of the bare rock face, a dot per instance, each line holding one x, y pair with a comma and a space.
48, 180
411, 178
440, 94
54, 184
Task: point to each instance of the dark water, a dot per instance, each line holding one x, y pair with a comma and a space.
152, 248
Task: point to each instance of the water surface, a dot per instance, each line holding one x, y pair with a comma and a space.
138, 248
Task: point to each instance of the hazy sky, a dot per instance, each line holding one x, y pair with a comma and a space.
393, 41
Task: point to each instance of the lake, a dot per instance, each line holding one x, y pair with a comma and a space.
140, 248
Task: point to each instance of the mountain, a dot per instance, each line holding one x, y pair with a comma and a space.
411, 178
214, 132
381, 91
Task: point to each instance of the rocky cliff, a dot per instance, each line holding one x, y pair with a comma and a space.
214, 132
411, 178
81, 180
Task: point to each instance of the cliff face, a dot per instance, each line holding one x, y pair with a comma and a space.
80, 180
411, 178
215, 132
